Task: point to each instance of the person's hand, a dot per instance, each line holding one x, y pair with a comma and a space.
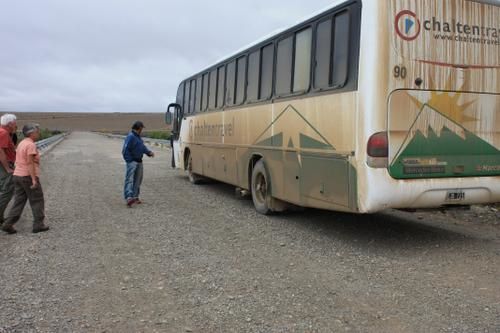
151, 154
34, 183
10, 170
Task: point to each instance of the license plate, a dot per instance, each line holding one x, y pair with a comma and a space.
455, 196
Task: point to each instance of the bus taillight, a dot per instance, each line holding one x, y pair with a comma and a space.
378, 150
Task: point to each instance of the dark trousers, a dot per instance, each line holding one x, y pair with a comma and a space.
22, 193
6, 191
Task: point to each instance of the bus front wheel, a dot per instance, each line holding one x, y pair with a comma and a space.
261, 188
193, 177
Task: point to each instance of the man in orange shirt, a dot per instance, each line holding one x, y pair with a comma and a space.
8, 127
27, 183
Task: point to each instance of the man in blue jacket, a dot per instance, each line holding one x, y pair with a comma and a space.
133, 150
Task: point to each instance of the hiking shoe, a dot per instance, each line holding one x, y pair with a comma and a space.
41, 229
131, 201
8, 229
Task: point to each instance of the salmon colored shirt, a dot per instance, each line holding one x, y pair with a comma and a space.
26, 148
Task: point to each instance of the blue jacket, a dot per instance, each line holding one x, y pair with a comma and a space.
134, 148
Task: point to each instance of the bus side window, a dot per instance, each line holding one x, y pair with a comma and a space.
221, 77
322, 68
204, 96
212, 94
332, 52
340, 56
253, 76
192, 95
266, 72
199, 94
187, 91
230, 82
302, 66
241, 73
284, 67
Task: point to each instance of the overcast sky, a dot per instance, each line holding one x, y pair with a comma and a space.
123, 55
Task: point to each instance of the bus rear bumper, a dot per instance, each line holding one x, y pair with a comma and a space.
452, 196
428, 193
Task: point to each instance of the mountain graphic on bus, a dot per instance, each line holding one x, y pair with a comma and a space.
435, 140
290, 126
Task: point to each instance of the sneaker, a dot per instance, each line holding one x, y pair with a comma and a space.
41, 229
8, 229
138, 201
131, 201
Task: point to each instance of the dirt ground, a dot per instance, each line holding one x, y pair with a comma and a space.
198, 259
101, 122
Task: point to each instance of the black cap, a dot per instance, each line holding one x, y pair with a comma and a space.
138, 125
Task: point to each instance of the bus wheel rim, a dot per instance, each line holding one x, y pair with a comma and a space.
261, 188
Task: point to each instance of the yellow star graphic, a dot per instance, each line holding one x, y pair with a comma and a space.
446, 103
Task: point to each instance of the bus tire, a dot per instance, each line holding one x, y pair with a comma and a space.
261, 188
193, 177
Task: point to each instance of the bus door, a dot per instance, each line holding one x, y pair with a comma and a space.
174, 117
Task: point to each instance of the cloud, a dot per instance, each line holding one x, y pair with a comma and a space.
121, 55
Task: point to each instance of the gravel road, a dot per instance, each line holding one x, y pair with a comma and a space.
198, 259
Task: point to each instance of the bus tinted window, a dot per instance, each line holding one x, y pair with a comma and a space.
341, 50
192, 95
332, 60
212, 91
204, 97
198, 93
323, 52
284, 67
266, 74
230, 82
241, 80
185, 105
221, 77
180, 94
253, 76
302, 67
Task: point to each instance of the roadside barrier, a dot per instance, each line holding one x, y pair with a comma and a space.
44, 144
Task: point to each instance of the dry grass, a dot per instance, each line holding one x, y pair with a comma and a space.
105, 122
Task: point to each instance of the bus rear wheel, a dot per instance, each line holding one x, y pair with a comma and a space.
193, 177
261, 188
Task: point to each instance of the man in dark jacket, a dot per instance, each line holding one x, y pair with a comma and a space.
133, 150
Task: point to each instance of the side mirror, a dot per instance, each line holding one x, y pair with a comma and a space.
168, 118
171, 111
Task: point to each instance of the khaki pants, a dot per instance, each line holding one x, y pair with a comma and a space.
6, 191
22, 193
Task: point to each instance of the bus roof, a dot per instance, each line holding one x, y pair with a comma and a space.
305, 19
278, 31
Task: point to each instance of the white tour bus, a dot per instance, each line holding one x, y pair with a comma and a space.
366, 106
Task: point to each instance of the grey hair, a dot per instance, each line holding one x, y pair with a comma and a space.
7, 119
30, 128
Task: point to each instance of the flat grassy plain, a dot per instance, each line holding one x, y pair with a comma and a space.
101, 122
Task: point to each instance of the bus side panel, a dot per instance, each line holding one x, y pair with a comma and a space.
307, 145
307, 148
326, 179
